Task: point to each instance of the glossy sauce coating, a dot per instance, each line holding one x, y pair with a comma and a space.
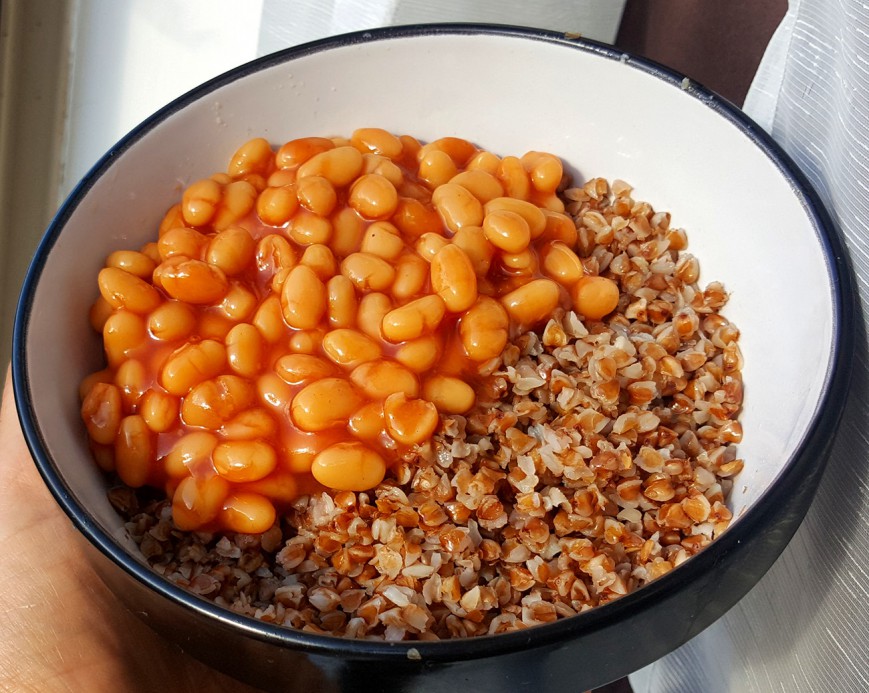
304, 318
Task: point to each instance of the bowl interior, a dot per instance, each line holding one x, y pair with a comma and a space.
746, 221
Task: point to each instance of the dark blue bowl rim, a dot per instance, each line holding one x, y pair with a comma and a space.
824, 419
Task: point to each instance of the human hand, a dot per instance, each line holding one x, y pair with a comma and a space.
61, 628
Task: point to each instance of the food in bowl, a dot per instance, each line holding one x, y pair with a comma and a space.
413, 391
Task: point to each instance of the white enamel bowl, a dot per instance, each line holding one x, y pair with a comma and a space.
752, 220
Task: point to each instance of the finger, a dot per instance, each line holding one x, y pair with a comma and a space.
61, 628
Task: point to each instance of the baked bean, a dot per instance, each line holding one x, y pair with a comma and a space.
532, 214
104, 456
449, 395
320, 259
239, 461
559, 227
411, 275
106, 375
239, 198
297, 369
276, 205
377, 141
190, 454
340, 166
524, 262
483, 329
239, 303
415, 191
167, 265
457, 207
484, 161
372, 308
244, 350
278, 486
160, 410
213, 402
544, 170
172, 320
199, 202
213, 325
429, 244
198, 501
350, 348
472, 240
274, 393
317, 195
383, 240
221, 178
373, 196
138, 264
414, 218
123, 333
324, 404
152, 252
482, 185
453, 278
419, 354
595, 297
101, 412
507, 230
547, 202
514, 178
367, 423
132, 379
343, 304
191, 365
368, 272
250, 424
349, 466
409, 421
306, 341
458, 149
134, 450
379, 379
181, 241
274, 253
256, 180
192, 281
436, 167
302, 447
232, 250
171, 219
296, 152
374, 163
254, 156
278, 279
306, 228
303, 298
415, 319
120, 289
532, 302
99, 312
560, 263
410, 148
347, 231
269, 320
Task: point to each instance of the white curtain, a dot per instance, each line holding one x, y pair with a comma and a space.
804, 627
